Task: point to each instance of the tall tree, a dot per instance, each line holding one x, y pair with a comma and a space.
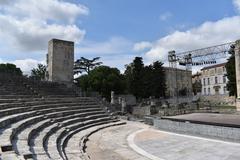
145, 81
10, 68
231, 72
39, 72
158, 80
103, 79
86, 65
134, 75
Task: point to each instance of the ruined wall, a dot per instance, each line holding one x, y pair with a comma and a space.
60, 61
176, 80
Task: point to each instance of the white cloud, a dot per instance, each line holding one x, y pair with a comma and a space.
142, 46
26, 65
237, 4
118, 62
114, 45
165, 16
207, 34
47, 10
51, 19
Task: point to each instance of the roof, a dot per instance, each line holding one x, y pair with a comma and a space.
214, 66
196, 74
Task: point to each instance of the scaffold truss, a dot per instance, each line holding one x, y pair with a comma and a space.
203, 56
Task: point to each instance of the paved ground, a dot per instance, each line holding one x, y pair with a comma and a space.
224, 119
111, 143
136, 141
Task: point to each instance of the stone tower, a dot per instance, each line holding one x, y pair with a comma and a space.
60, 61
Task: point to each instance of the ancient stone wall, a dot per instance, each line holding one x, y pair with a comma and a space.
60, 61
220, 99
177, 80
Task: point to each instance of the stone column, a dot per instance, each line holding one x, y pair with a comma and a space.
237, 63
152, 101
112, 97
124, 105
119, 100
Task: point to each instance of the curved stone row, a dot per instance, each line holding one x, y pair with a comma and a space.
41, 128
78, 139
39, 118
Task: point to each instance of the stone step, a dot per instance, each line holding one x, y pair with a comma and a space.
35, 123
29, 118
64, 140
52, 143
22, 141
75, 144
11, 111
31, 99
46, 102
35, 134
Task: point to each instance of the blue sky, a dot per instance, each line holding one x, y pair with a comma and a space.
115, 30
141, 19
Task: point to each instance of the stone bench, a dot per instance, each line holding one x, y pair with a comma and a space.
23, 138
24, 134
75, 144
28, 118
60, 120
51, 145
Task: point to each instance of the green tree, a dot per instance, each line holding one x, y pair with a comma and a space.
134, 76
197, 87
154, 80
145, 81
10, 68
86, 65
103, 79
158, 80
39, 72
231, 73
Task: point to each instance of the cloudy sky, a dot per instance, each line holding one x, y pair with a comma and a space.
115, 30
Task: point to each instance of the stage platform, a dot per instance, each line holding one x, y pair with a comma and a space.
225, 120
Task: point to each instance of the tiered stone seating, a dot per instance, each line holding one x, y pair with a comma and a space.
12, 86
50, 89
39, 121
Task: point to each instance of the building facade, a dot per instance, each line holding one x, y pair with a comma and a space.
214, 80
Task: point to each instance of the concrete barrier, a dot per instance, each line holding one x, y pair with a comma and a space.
211, 131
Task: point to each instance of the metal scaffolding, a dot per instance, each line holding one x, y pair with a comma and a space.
203, 56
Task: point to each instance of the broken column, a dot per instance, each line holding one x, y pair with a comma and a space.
237, 64
112, 97
124, 105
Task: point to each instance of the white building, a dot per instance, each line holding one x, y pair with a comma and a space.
214, 80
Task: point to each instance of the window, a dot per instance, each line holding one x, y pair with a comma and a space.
216, 80
204, 83
224, 79
205, 91
209, 91
223, 69
208, 81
